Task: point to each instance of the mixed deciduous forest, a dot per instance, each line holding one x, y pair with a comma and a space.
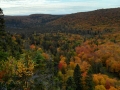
66, 52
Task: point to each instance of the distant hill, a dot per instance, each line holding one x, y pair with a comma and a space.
98, 20
31, 22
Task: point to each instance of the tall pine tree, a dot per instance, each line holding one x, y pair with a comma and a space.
89, 80
2, 31
3, 54
8, 47
1, 22
77, 77
70, 84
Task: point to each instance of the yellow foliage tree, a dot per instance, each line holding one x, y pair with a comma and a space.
100, 87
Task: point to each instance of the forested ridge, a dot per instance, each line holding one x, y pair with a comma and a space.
101, 20
60, 58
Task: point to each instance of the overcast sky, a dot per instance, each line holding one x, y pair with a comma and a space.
26, 7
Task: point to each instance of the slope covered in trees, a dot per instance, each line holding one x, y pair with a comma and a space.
23, 23
98, 20
88, 60
51, 60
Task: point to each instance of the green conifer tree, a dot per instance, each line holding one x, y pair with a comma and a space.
77, 77
3, 55
89, 80
70, 84
1, 22
2, 31
7, 45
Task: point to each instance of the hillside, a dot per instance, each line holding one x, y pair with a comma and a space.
103, 19
97, 20
72, 52
23, 23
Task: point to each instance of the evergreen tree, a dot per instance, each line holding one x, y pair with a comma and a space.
70, 84
8, 47
3, 55
1, 22
77, 77
89, 80
2, 32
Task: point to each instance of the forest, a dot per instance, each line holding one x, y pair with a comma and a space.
76, 59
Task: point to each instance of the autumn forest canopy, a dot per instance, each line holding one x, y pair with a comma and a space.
79, 51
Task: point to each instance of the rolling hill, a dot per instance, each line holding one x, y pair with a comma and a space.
31, 22
98, 20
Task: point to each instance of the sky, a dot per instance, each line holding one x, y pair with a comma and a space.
27, 7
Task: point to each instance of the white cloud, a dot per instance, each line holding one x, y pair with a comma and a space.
22, 7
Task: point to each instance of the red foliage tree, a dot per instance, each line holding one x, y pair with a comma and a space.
107, 85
